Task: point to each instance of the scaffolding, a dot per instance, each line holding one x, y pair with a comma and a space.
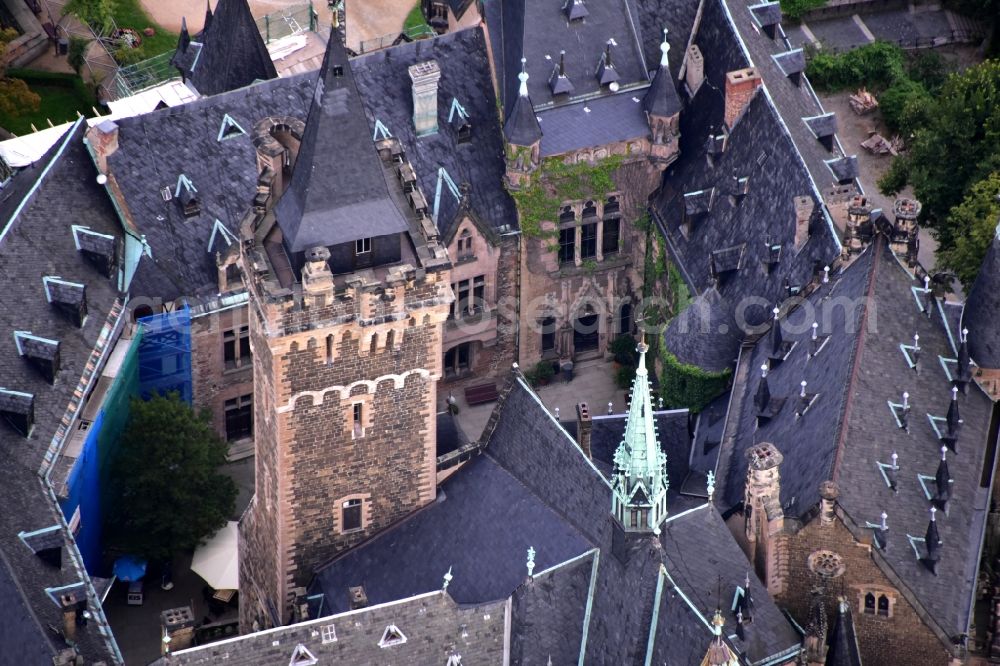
165, 354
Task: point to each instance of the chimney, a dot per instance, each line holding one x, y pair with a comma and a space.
828, 493
177, 625
804, 208
740, 87
425, 76
694, 71
70, 609
583, 427
103, 140
358, 598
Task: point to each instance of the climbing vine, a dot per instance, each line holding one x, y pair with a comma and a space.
684, 385
555, 182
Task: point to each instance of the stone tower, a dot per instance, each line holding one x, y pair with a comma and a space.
763, 514
349, 289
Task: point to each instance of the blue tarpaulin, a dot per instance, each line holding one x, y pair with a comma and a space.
129, 568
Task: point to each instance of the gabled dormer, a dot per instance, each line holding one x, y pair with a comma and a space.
99, 249
42, 353
68, 297
18, 410
187, 195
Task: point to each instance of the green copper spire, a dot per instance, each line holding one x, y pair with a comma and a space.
639, 497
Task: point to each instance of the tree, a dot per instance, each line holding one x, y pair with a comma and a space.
972, 223
167, 492
15, 96
958, 145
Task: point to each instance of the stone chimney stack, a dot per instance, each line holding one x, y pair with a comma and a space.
177, 624
425, 77
740, 87
70, 609
804, 208
103, 139
828, 494
694, 71
583, 427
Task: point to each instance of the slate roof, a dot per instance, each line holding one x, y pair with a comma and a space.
759, 149
843, 649
338, 192
449, 433
705, 334
792, 101
982, 308
230, 53
45, 200
850, 427
465, 77
435, 628
661, 97
154, 149
534, 30
596, 122
677, 16
557, 501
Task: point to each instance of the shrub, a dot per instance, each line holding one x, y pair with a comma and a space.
877, 65
623, 349
624, 376
77, 51
904, 105
688, 386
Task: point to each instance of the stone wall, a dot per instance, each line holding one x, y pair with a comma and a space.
213, 383
901, 638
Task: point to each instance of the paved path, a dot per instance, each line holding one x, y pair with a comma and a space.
593, 382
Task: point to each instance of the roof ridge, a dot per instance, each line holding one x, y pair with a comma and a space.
876, 249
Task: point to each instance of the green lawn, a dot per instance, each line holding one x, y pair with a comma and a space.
128, 14
415, 26
62, 96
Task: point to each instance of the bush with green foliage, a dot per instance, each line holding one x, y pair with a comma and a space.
877, 65
98, 14
957, 146
623, 350
973, 225
904, 105
796, 9
540, 373
77, 51
166, 493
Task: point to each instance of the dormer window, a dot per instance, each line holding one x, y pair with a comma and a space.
70, 298
575, 10
18, 409
606, 73
391, 636
99, 249
459, 119
42, 353
363, 246
230, 129
187, 195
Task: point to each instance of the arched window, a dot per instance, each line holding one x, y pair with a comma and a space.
567, 214
590, 209
883, 605
870, 603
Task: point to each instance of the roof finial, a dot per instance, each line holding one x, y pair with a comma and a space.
710, 484
826, 274
954, 393
523, 78
895, 460
447, 579
531, 561
815, 330
664, 49
763, 370
557, 413
802, 391
884, 525
611, 408
965, 335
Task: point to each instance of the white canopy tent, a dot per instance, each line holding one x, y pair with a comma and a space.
216, 560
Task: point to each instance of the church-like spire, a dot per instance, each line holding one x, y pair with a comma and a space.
719, 653
661, 98
522, 128
208, 16
639, 500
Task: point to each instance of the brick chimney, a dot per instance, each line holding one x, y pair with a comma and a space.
103, 140
694, 71
177, 624
71, 608
425, 77
583, 427
828, 494
740, 87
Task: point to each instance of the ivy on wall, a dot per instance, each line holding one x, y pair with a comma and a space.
683, 385
555, 182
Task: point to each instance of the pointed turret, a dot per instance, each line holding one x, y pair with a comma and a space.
844, 640
763, 397
662, 107
719, 653
606, 73
979, 317
942, 480
208, 16
932, 542
953, 421
185, 39
523, 134
325, 204
186, 53
963, 370
233, 53
639, 497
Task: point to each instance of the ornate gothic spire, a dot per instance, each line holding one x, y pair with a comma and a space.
639, 500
